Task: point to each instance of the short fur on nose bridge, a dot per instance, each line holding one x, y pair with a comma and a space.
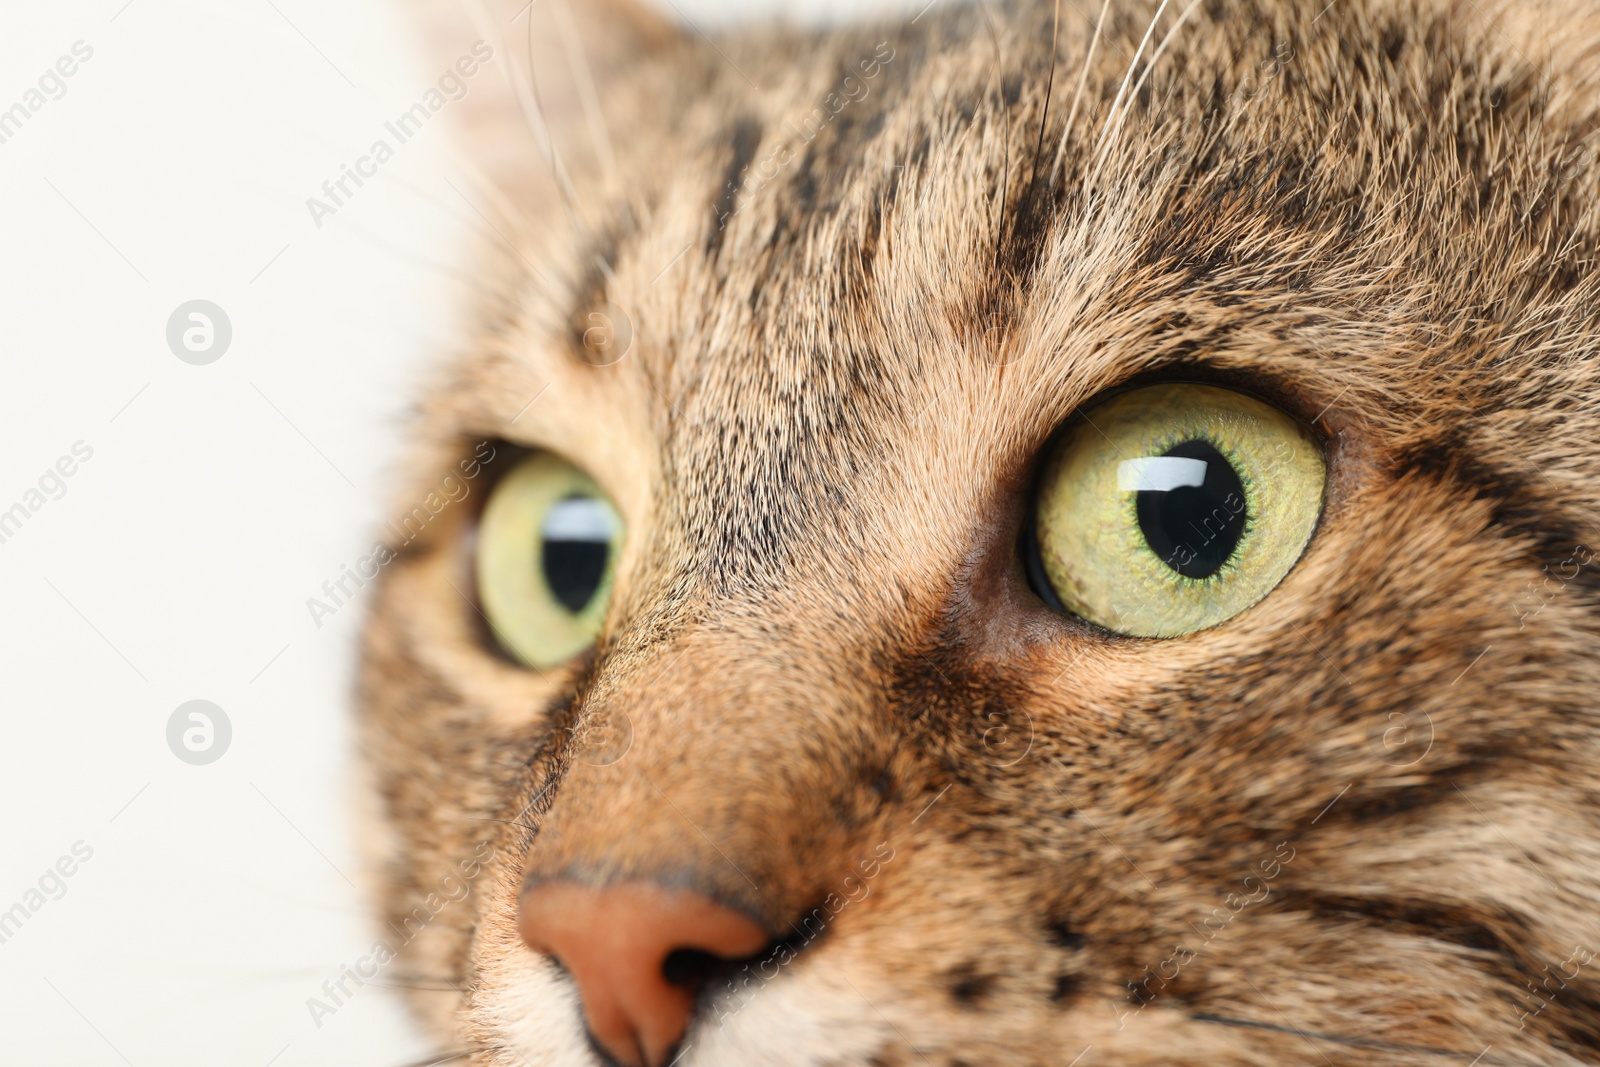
615, 940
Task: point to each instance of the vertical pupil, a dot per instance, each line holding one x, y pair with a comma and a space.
1195, 528
575, 548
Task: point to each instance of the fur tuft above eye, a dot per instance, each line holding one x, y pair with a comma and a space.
1172, 508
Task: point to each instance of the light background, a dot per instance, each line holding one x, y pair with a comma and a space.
177, 564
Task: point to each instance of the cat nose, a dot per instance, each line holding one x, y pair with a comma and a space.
615, 942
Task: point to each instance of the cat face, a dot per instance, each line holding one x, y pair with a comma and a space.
823, 745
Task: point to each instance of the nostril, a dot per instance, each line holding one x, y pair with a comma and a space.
638, 953
691, 968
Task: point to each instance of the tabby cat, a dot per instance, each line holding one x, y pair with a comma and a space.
1034, 534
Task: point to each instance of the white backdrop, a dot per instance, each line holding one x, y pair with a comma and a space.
168, 520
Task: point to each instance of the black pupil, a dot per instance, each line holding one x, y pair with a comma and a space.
1195, 528
576, 547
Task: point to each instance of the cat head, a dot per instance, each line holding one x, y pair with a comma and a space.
789, 674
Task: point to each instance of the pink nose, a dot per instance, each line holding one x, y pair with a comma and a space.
614, 942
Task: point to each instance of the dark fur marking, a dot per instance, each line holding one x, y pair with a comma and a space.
591, 292
745, 137
1501, 939
1484, 931
968, 986
1065, 936
1065, 987
1520, 507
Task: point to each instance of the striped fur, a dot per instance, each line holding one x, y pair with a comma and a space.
1356, 824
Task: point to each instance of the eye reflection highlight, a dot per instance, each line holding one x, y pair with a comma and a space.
1159, 474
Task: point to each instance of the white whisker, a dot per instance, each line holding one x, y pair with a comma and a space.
1077, 96
588, 96
527, 94
1155, 57
1122, 91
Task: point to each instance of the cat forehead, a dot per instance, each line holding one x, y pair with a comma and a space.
814, 248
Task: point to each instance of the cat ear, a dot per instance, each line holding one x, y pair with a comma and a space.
540, 74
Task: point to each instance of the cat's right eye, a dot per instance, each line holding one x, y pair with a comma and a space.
1169, 509
547, 549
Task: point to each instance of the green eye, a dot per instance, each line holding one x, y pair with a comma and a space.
547, 549
1172, 508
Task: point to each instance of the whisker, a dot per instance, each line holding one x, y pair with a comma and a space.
527, 94
507, 822
999, 224
1049, 92
587, 95
1337, 1039
499, 203
444, 1057
1122, 90
510, 245
412, 975
442, 269
558, 168
1077, 96
1155, 57
484, 24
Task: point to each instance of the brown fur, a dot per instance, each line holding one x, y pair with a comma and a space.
1381, 214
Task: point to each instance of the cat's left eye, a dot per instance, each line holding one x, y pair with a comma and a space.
547, 549
1172, 508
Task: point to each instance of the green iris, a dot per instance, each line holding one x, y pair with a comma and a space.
547, 549
1172, 508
